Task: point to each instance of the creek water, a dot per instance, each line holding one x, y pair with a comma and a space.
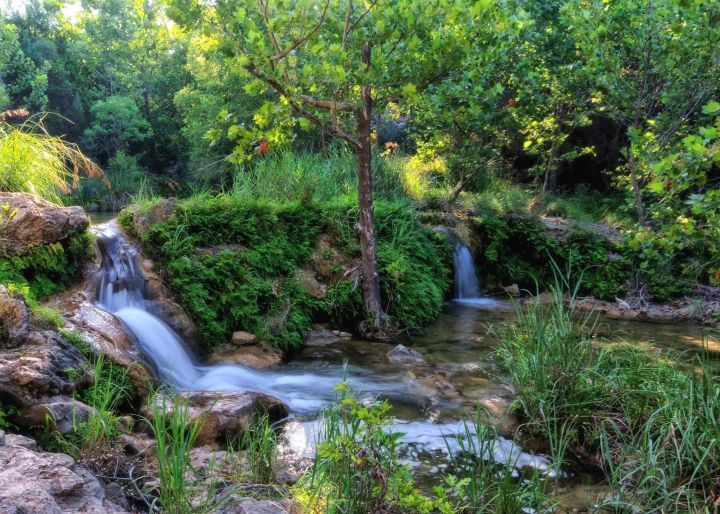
429, 399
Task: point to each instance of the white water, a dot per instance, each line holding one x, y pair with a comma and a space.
121, 291
467, 287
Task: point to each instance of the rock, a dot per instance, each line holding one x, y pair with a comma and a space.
38, 222
106, 335
241, 338
512, 290
41, 368
158, 213
2, 438
258, 356
21, 441
236, 504
14, 319
61, 411
225, 415
48, 483
136, 444
321, 336
307, 279
403, 355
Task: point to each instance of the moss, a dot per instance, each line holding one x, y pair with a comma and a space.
232, 264
46, 269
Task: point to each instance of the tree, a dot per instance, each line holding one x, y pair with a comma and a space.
330, 64
653, 62
117, 125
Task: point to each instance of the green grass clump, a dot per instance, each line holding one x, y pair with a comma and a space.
647, 421
33, 161
233, 263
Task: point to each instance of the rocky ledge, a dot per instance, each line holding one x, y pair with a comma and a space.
38, 482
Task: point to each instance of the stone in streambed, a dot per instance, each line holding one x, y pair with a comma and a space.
258, 356
401, 354
224, 415
241, 338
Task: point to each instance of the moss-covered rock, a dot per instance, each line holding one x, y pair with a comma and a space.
239, 265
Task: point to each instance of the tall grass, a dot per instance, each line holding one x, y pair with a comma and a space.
288, 175
481, 485
260, 443
175, 435
648, 421
33, 161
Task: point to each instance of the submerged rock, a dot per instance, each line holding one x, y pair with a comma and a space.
224, 415
401, 354
34, 482
37, 222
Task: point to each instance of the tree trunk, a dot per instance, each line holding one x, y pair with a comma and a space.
370, 278
632, 164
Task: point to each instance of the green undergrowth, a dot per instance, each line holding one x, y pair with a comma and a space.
233, 262
648, 421
520, 249
46, 269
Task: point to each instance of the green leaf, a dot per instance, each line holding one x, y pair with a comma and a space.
711, 107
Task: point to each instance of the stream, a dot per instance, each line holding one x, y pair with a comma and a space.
430, 398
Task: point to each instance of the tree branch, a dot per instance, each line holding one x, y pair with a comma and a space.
280, 89
331, 105
299, 41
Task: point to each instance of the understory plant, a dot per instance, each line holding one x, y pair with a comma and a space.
260, 444
480, 484
648, 421
175, 435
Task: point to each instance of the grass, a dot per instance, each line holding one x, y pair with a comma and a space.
33, 161
260, 443
481, 485
648, 422
175, 435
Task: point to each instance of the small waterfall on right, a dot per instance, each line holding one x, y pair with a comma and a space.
467, 287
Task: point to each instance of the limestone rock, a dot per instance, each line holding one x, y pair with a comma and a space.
237, 504
257, 356
14, 319
159, 212
241, 338
41, 368
37, 222
61, 411
512, 290
401, 354
48, 483
225, 414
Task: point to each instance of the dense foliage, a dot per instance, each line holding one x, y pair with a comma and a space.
235, 265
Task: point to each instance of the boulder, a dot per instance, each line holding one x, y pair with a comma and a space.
241, 338
223, 415
237, 504
401, 354
62, 412
14, 319
158, 213
257, 356
45, 366
38, 222
34, 482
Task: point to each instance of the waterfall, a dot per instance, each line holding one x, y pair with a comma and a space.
120, 290
467, 287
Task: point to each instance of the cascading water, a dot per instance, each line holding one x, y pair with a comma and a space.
121, 291
467, 288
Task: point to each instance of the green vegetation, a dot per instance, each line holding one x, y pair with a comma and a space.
175, 436
46, 269
647, 421
260, 444
31, 160
234, 261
